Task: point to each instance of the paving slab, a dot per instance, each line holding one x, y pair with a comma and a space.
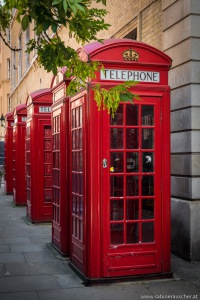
39, 256
20, 296
11, 257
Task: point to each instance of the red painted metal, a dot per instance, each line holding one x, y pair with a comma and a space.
8, 166
60, 124
19, 133
39, 156
120, 168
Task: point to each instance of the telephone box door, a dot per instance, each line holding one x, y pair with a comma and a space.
131, 202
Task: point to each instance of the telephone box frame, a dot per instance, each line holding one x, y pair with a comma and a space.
19, 173
92, 255
8, 167
38, 156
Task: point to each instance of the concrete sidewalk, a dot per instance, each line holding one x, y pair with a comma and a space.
30, 270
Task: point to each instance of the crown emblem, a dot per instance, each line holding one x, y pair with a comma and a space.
130, 55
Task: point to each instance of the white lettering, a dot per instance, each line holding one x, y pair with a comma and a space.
123, 75
44, 109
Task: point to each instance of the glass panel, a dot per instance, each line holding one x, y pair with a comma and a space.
80, 138
131, 114
116, 186
73, 118
116, 210
132, 188
77, 139
116, 162
132, 233
116, 138
147, 162
48, 182
147, 138
132, 209
74, 183
47, 132
73, 140
116, 234
77, 205
118, 117
147, 115
81, 207
80, 161
48, 196
148, 232
148, 185
132, 161
47, 169
73, 204
147, 208
132, 138
77, 117
73, 161
81, 230
80, 111
47, 145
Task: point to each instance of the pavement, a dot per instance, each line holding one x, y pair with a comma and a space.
31, 270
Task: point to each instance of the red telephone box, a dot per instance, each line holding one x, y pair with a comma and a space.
60, 125
19, 177
120, 170
39, 156
8, 166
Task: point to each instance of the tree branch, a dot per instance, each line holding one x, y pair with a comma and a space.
12, 49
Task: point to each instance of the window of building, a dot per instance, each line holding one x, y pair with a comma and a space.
20, 58
8, 68
132, 35
9, 102
27, 54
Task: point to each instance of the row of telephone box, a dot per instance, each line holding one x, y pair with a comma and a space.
98, 178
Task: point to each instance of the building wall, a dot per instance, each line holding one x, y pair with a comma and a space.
181, 41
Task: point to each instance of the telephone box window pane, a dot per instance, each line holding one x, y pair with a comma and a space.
147, 138
148, 232
147, 115
132, 188
132, 233
117, 162
48, 182
132, 162
148, 185
73, 161
116, 234
81, 207
116, 210
47, 145
73, 204
80, 138
116, 186
131, 114
47, 196
118, 117
132, 138
77, 117
73, 140
77, 139
73, 118
47, 157
81, 118
74, 183
47, 169
147, 209
47, 132
132, 209
81, 161
116, 138
147, 162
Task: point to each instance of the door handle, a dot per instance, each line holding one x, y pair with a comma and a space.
105, 163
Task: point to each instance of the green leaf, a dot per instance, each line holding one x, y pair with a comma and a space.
54, 27
25, 22
65, 5
73, 8
80, 7
55, 2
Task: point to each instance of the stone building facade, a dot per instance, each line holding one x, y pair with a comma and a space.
173, 27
